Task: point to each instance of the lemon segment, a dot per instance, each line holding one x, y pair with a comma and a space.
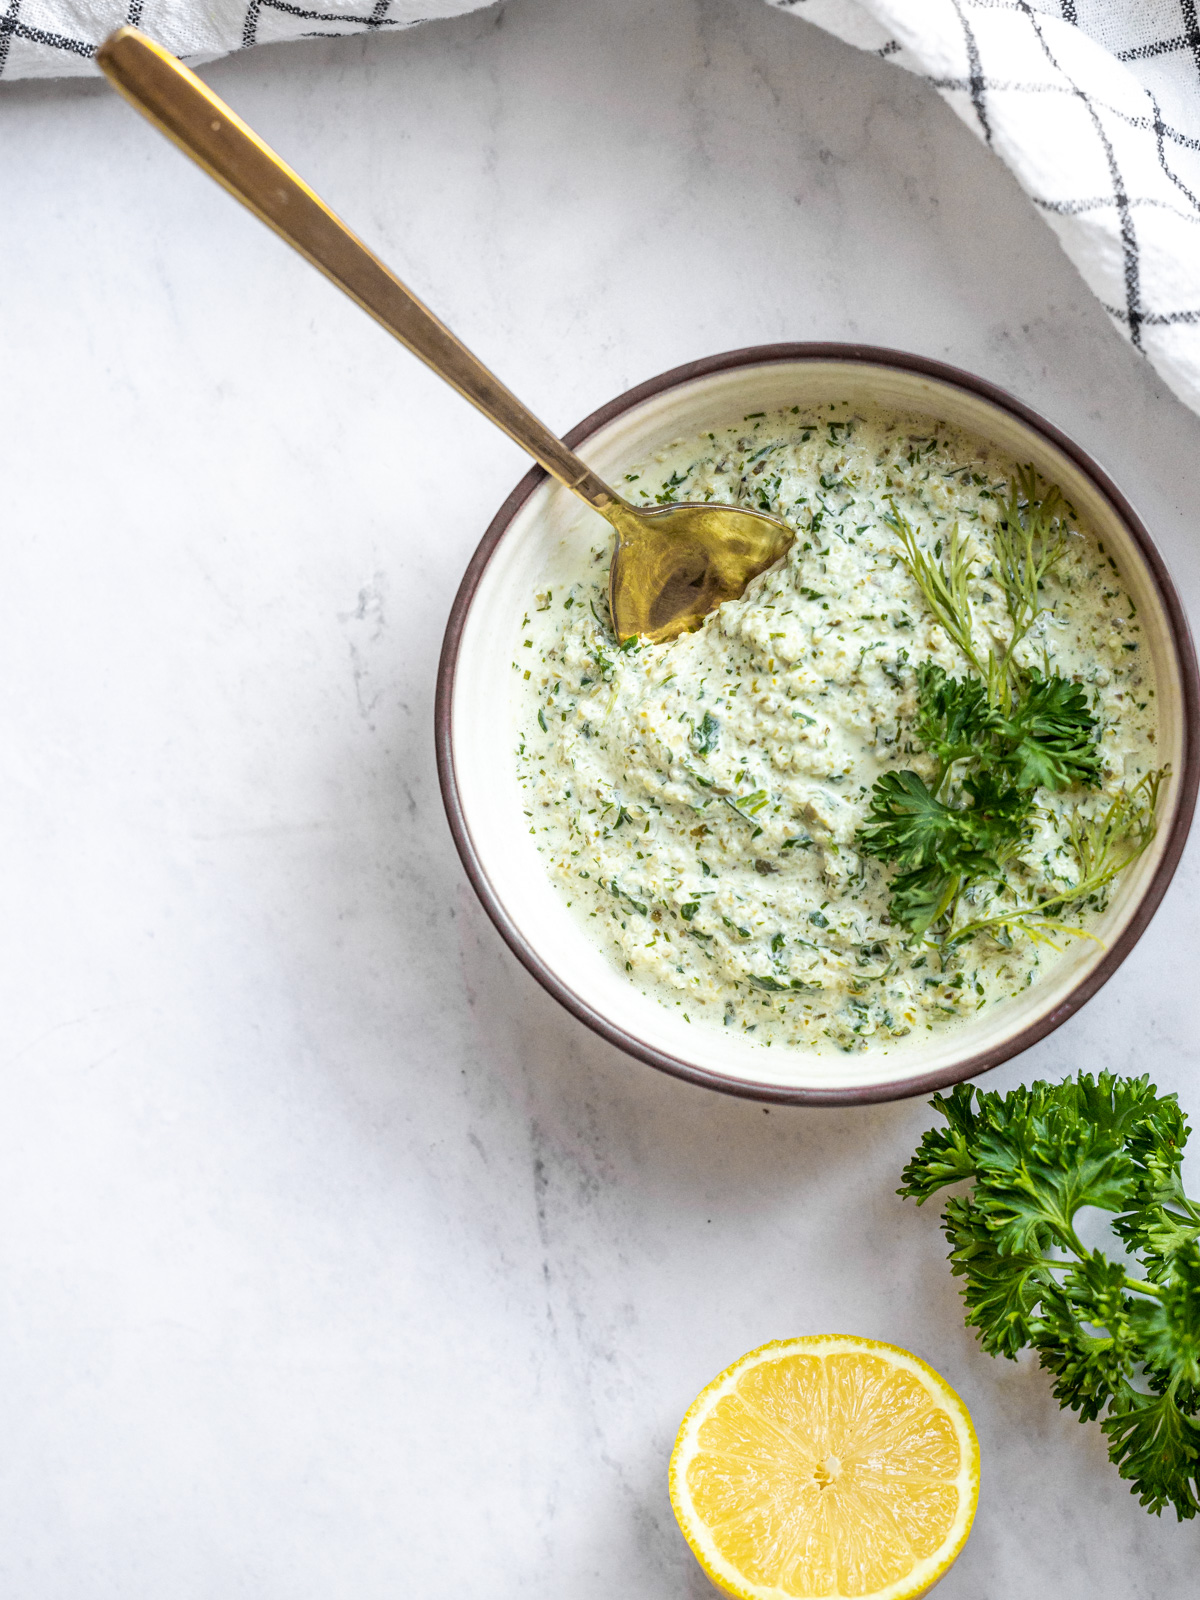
826, 1467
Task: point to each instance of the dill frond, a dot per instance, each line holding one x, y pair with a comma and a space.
1029, 543
942, 580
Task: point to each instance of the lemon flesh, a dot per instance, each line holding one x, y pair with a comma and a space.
827, 1466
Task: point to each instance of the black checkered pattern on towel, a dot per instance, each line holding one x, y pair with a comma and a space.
1108, 147
58, 38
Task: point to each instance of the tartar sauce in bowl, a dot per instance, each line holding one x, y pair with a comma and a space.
706, 805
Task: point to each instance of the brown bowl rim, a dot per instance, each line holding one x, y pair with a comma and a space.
971, 1066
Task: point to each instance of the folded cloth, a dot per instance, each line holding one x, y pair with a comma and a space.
1095, 105
58, 38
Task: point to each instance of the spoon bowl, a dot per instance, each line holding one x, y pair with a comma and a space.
674, 564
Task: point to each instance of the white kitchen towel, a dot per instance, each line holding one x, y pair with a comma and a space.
1094, 104
58, 38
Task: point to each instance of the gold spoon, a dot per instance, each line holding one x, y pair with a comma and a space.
672, 564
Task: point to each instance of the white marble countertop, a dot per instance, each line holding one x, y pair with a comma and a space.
337, 1259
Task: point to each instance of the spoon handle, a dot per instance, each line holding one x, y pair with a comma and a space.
183, 107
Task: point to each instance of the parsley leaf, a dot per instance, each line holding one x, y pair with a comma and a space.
1122, 1348
1044, 741
1051, 736
908, 825
937, 846
953, 714
921, 897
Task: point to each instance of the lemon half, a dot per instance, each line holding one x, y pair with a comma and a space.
826, 1466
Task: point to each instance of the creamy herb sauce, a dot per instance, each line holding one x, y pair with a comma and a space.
697, 802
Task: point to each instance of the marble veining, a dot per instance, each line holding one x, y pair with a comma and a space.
337, 1259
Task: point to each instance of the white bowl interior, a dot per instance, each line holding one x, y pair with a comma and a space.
540, 541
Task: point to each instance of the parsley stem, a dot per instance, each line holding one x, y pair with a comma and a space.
1140, 1286
1066, 1232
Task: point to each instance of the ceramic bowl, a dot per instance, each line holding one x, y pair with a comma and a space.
476, 722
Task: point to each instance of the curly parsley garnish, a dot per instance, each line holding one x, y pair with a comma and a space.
1121, 1336
998, 735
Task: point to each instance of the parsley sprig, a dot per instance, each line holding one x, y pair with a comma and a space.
1120, 1335
998, 735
